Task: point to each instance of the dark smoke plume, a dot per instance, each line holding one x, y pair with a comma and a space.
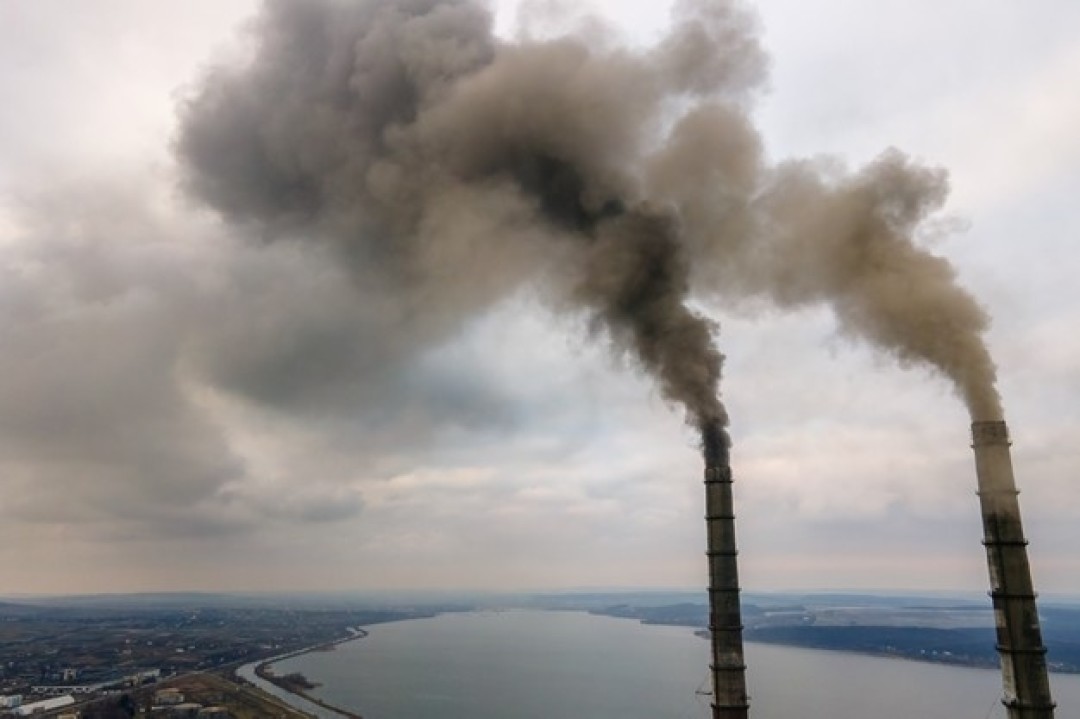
449, 168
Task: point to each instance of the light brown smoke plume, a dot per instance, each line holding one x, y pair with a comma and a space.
449, 167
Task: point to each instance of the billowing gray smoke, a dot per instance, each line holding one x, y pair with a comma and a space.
449, 168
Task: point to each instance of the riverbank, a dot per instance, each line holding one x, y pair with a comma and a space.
296, 684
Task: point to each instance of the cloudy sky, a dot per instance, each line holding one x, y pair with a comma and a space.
184, 407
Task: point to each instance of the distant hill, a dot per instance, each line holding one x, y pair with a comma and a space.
190, 601
18, 609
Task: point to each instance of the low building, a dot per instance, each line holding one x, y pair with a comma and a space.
56, 690
168, 697
44, 705
188, 710
214, 713
10, 701
145, 675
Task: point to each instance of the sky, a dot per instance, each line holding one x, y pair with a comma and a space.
185, 407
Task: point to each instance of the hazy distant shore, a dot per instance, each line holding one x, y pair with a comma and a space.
896, 628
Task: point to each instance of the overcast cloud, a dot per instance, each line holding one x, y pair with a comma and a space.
183, 405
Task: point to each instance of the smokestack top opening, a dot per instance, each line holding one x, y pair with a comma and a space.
989, 433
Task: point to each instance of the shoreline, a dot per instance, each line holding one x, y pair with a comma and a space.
262, 671
901, 656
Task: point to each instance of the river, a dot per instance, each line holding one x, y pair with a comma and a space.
572, 665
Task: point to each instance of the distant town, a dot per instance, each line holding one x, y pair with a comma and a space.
122, 656
176, 655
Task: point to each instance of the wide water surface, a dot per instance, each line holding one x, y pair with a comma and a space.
571, 665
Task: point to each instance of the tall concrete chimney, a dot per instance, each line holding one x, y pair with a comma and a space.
725, 616
1019, 638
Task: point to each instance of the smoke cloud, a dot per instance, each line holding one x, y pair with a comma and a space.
449, 168
849, 242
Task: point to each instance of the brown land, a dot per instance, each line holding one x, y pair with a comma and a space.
296, 682
242, 701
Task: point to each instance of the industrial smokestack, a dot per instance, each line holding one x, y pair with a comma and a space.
1019, 637
728, 667
448, 169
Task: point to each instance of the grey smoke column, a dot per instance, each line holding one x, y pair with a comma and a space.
448, 169
727, 664
1019, 637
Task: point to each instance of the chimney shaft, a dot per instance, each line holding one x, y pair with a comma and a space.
1019, 637
725, 617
